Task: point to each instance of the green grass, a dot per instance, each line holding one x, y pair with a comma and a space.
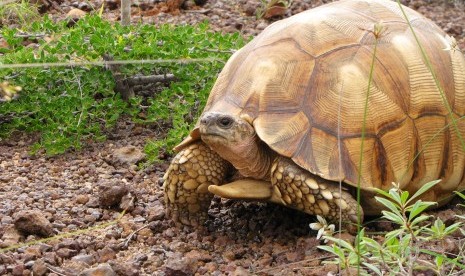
20, 12
71, 105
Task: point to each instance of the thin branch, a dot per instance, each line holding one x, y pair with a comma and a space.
150, 79
104, 63
78, 80
129, 238
232, 51
202, 11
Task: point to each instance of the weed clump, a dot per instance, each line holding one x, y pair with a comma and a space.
405, 250
68, 95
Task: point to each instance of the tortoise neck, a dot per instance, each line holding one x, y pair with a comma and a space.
251, 158
254, 162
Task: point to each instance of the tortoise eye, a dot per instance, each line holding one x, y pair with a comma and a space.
225, 122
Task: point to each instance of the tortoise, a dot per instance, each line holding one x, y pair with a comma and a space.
288, 114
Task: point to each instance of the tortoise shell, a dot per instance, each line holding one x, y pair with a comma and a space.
304, 82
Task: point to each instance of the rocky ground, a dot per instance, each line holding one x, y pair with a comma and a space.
78, 198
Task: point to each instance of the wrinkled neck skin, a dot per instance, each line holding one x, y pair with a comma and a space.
250, 157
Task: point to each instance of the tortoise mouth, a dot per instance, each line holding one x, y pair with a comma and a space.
213, 135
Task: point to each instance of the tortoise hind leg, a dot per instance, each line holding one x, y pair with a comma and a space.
186, 183
311, 194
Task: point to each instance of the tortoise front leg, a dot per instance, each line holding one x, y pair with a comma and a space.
186, 183
301, 190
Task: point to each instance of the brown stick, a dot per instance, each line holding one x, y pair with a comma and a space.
125, 86
150, 79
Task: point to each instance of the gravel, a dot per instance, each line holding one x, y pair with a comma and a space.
108, 217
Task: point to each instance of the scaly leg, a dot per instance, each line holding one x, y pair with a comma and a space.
186, 183
311, 194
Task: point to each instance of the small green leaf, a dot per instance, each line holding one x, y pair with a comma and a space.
395, 196
403, 197
439, 260
339, 242
419, 219
391, 238
373, 268
340, 253
460, 194
423, 189
389, 204
452, 228
327, 248
371, 243
382, 192
417, 208
393, 217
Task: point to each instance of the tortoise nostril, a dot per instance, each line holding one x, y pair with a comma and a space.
206, 119
225, 122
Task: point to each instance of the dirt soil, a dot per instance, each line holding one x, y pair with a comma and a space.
84, 192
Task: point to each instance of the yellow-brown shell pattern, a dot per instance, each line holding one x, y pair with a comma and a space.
304, 81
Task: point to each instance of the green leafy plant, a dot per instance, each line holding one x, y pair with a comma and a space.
67, 94
439, 230
349, 255
400, 249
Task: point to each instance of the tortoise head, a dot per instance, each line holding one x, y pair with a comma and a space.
226, 130
233, 137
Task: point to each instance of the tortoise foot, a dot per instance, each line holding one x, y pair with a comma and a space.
181, 214
301, 190
186, 183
